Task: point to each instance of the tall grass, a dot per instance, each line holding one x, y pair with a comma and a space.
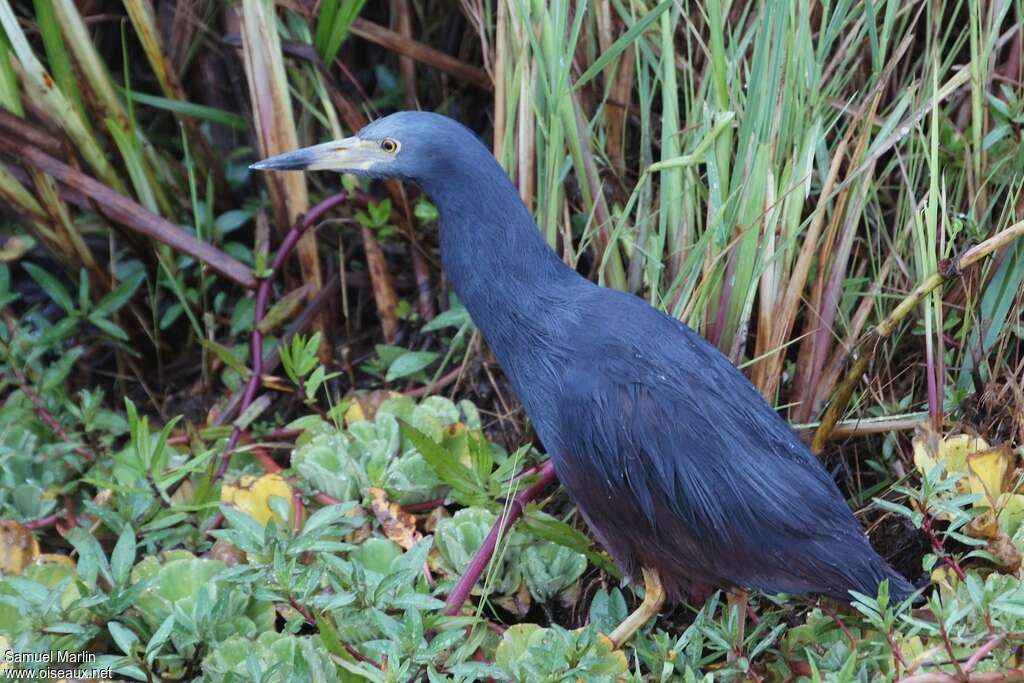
776, 174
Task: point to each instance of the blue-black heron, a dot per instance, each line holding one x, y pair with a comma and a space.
682, 470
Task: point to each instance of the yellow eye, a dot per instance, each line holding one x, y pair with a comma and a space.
389, 145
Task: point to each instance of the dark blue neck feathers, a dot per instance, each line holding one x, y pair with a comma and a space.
504, 272
522, 297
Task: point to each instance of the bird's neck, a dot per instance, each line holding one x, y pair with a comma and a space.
511, 282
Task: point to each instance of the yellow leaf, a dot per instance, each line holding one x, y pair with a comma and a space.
364, 405
987, 471
953, 451
18, 547
13, 249
927, 443
984, 526
945, 578
252, 496
56, 558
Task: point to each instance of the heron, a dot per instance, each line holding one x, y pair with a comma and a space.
678, 465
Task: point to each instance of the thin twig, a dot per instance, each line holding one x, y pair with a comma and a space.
262, 296
130, 214
479, 562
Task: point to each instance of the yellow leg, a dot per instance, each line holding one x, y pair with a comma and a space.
654, 598
738, 599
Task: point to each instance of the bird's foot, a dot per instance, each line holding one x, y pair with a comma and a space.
654, 598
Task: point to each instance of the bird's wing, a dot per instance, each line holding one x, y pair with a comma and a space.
658, 431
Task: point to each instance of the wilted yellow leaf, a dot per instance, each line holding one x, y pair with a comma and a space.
456, 428
397, 524
56, 558
984, 526
517, 603
18, 547
930, 448
987, 472
945, 578
364, 405
252, 495
226, 553
13, 249
1006, 554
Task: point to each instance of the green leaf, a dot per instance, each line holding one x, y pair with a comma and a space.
58, 333
123, 557
626, 40
160, 638
326, 516
120, 296
83, 290
329, 636
228, 357
450, 470
125, 638
549, 528
108, 327
332, 25
51, 286
198, 111
426, 212
285, 307
456, 317
409, 364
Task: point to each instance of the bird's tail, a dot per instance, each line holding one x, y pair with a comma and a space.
899, 588
873, 571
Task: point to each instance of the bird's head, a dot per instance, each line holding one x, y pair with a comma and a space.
407, 145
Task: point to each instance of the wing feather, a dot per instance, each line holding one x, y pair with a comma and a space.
679, 463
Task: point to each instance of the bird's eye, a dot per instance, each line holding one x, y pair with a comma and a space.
389, 145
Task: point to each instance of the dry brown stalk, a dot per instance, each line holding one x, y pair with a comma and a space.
866, 348
130, 214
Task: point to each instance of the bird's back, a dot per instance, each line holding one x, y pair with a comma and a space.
678, 463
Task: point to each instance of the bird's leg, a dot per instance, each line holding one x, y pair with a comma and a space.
654, 598
738, 599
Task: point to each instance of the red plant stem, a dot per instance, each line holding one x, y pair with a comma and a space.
983, 652
215, 523
926, 527
262, 296
43, 522
325, 499
479, 562
842, 627
297, 511
281, 433
961, 674
897, 654
441, 383
1010, 676
425, 506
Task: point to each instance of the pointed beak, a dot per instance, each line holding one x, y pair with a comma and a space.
345, 156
